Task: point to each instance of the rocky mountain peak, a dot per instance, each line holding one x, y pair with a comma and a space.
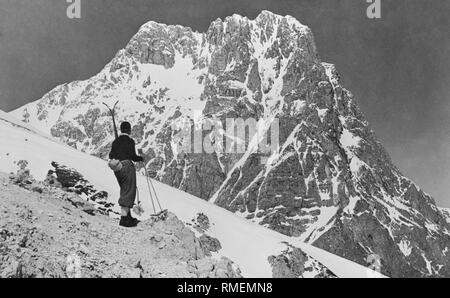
236, 38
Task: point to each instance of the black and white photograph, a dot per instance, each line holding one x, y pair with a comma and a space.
219, 145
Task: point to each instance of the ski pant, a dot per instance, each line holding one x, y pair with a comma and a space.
127, 182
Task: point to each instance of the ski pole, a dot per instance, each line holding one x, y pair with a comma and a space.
154, 190
151, 196
148, 185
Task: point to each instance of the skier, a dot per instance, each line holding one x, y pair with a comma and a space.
123, 151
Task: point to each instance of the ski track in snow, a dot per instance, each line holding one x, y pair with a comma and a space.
246, 243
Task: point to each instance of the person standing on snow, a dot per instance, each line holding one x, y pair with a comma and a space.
124, 151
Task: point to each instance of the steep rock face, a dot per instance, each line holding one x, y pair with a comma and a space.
329, 182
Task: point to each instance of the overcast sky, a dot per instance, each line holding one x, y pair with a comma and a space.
397, 67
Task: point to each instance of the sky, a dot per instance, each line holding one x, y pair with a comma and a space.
398, 67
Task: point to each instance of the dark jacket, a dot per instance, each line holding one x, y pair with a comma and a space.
124, 148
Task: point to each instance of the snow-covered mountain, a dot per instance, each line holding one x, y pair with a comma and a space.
249, 245
330, 182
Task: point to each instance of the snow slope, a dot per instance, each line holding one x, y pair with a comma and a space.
247, 244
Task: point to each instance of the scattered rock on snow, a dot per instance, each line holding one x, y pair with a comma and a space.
210, 244
294, 263
201, 223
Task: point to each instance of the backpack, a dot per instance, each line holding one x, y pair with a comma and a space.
115, 165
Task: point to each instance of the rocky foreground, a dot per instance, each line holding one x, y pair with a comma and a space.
49, 230
46, 231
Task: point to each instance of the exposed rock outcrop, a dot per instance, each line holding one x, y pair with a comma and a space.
294, 263
45, 235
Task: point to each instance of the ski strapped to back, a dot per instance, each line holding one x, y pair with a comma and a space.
113, 114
